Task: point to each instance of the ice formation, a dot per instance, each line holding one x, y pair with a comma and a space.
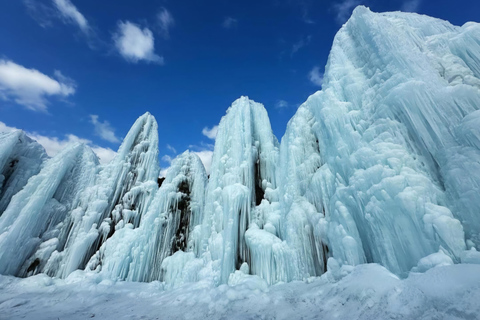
167, 227
380, 166
33, 224
63, 215
20, 159
119, 198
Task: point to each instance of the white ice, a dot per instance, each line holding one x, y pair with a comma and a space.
20, 159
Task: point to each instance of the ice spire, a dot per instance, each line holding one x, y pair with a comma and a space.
31, 224
120, 196
396, 87
20, 159
170, 226
243, 170
304, 188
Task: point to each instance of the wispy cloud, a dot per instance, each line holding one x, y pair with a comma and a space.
29, 87
167, 159
54, 145
411, 5
281, 104
103, 129
169, 147
136, 44
315, 76
165, 21
47, 12
40, 12
305, 14
300, 44
70, 14
344, 9
210, 133
229, 22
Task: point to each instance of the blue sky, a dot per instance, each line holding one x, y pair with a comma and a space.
84, 70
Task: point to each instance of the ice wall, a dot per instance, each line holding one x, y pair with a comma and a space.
243, 173
168, 227
120, 197
31, 226
20, 159
396, 127
305, 186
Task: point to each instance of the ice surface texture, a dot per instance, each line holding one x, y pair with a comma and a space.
380, 166
20, 159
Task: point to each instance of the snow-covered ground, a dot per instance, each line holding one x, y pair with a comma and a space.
367, 291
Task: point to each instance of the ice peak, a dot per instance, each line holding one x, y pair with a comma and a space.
20, 158
360, 10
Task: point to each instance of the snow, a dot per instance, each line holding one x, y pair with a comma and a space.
368, 207
365, 292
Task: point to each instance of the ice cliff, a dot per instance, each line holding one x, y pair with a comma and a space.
382, 165
20, 159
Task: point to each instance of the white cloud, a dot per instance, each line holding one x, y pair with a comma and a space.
70, 13
315, 76
167, 159
30, 87
166, 21
206, 157
5, 128
105, 155
163, 172
210, 133
344, 9
411, 5
281, 104
229, 23
169, 147
103, 129
135, 44
54, 145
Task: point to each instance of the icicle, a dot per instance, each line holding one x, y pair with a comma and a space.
166, 228
120, 197
35, 215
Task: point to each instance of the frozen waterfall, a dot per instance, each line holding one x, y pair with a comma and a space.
380, 166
